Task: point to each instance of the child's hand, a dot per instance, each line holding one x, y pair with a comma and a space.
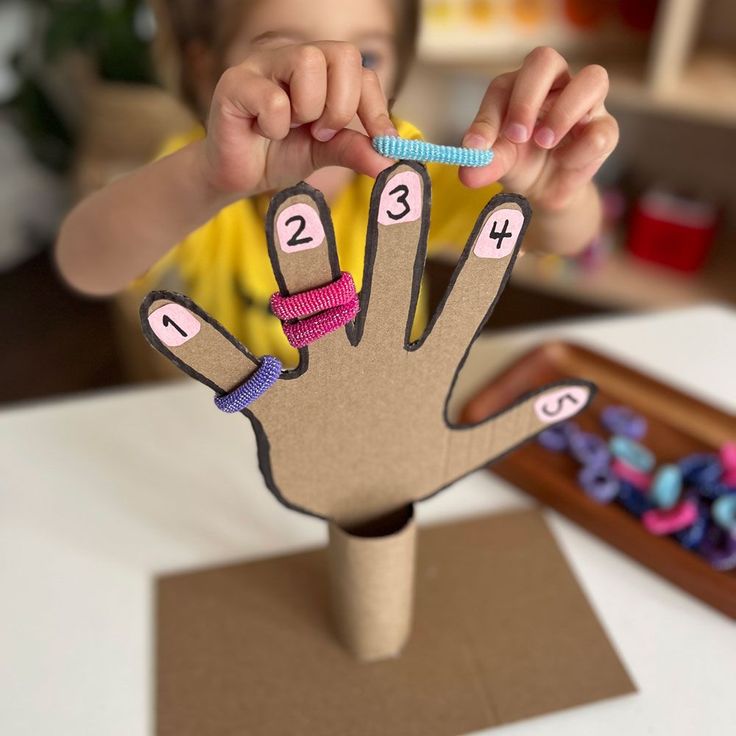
550, 131
283, 113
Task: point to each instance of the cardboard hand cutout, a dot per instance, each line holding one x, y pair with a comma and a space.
359, 430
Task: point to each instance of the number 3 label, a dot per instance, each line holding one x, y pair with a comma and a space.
561, 404
173, 325
401, 199
299, 228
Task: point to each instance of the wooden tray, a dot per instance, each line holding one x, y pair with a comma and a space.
678, 425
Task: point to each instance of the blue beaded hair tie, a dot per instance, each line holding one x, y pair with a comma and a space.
256, 385
404, 149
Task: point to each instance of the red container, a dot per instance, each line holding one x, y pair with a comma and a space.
672, 231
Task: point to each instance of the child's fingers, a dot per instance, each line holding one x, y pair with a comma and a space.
543, 69
505, 154
373, 107
583, 95
344, 85
246, 94
351, 150
592, 147
304, 69
486, 127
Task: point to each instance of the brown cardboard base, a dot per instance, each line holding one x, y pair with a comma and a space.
502, 632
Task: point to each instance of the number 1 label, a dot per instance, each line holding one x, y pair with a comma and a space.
173, 325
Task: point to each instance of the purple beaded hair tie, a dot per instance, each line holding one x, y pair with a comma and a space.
267, 373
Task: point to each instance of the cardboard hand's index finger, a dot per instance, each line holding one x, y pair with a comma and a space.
480, 276
195, 342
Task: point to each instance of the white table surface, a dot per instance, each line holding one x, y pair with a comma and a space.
98, 494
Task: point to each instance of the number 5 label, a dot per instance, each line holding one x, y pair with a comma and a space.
561, 404
401, 199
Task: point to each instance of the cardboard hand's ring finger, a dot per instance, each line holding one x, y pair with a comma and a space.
301, 244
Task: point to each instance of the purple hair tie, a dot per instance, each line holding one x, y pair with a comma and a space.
267, 373
297, 306
303, 333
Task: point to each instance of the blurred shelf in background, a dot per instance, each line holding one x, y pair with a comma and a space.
672, 66
628, 283
685, 64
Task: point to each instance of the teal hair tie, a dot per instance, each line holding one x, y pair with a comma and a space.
403, 149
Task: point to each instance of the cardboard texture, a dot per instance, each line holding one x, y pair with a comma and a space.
359, 430
372, 587
502, 633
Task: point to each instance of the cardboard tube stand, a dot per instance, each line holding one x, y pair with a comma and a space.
372, 572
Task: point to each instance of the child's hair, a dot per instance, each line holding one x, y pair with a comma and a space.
184, 24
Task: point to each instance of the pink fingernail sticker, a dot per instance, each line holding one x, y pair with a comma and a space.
499, 233
561, 404
299, 228
173, 325
401, 199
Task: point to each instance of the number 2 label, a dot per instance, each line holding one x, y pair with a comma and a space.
299, 227
401, 199
173, 325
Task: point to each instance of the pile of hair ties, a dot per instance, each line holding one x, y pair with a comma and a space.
404, 149
692, 500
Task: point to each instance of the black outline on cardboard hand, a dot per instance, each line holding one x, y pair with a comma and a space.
365, 349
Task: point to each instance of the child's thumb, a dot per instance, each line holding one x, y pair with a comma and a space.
351, 150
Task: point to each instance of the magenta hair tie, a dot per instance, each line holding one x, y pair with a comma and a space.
336, 294
303, 333
267, 373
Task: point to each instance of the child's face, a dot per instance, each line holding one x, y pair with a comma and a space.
367, 24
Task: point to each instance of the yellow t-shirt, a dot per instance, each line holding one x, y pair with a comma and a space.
224, 265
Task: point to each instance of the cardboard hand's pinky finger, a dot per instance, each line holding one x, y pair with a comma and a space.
473, 447
202, 348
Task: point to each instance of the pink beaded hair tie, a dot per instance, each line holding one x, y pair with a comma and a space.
306, 331
312, 314
336, 294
